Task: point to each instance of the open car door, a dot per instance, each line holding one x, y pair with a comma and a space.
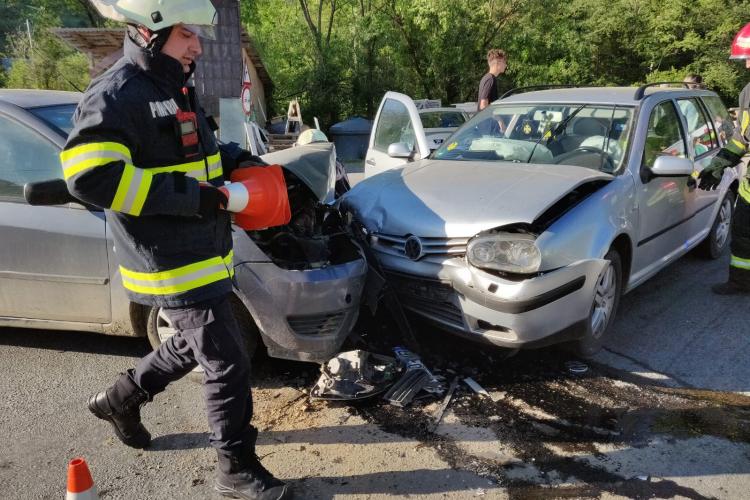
397, 135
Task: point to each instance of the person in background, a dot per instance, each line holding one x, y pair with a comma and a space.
497, 62
694, 81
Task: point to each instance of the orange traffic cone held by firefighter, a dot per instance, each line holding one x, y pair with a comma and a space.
80, 484
258, 197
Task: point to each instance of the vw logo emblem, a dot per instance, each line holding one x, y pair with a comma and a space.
413, 248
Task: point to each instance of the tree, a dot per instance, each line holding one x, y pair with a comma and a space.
44, 61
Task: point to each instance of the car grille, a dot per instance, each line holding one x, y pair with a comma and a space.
433, 248
318, 324
431, 298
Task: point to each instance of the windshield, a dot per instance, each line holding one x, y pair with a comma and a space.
59, 117
442, 119
586, 135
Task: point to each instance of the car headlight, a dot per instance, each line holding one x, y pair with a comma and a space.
511, 253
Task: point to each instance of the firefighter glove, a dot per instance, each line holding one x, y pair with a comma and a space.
710, 177
211, 200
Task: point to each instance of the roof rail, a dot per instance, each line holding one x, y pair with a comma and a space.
642, 89
529, 88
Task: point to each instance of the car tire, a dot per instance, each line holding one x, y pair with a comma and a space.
607, 293
158, 328
718, 238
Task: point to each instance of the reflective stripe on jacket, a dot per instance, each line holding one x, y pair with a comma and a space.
125, 155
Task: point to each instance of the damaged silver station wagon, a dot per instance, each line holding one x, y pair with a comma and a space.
527, 225
298, 286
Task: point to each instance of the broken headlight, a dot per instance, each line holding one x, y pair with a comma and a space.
510, 253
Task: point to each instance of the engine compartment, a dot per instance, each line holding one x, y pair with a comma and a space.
316, 236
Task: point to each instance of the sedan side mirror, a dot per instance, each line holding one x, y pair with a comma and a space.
52, 192
672, 166
399, 150
667, 166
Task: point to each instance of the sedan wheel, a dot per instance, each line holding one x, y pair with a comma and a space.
606, 298
160, 330
604, 301
718, 238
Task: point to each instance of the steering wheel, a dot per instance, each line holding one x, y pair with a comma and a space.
607, 165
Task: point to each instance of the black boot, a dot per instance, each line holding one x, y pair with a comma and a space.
241, 475
730, 288
120, 405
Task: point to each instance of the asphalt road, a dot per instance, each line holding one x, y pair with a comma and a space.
661, 413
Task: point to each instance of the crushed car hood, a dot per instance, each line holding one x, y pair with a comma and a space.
443, 198
314, 164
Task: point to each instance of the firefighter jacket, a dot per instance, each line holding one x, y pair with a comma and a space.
738, 144
125, 155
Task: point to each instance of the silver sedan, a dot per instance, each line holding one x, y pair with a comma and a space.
528, 224
297, 287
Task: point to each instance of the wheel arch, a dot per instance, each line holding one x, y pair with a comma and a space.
624, 246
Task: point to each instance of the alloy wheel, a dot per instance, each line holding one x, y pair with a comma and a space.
605, 294
724, 223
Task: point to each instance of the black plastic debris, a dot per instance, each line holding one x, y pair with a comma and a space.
416, 378
355, 375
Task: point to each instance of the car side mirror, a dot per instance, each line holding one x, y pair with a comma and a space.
399, 150
668, 166
52, 192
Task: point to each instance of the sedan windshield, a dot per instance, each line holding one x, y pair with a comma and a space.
59, 117
586, 135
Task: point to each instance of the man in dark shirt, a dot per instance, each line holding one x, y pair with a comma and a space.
497, 61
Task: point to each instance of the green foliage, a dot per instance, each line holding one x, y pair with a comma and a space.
436, 48
44, 61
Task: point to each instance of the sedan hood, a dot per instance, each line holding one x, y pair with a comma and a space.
457, 199
314, 164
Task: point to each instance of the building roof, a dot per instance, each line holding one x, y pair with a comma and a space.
104, 47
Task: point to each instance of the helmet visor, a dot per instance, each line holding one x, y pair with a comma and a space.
202, 30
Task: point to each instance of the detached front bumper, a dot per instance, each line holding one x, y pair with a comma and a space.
545, 309
302, 315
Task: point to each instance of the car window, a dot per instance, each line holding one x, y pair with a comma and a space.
442, 119
25, 156
701, 135
586, 135
394, 125
60, 117
720, 117
664, 136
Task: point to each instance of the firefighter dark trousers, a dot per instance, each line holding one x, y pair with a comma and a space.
207, 335
739, 266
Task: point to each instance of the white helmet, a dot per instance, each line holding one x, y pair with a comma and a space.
199, 16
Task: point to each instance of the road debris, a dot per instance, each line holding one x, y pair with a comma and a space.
416, 378
438, 415
355, 375
476, 387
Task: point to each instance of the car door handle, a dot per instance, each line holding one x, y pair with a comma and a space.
370, 162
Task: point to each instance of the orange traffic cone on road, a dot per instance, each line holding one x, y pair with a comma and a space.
80, 484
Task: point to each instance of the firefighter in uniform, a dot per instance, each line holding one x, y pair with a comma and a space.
729, 156
143, 150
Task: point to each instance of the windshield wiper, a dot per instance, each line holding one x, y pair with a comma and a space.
556, 131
